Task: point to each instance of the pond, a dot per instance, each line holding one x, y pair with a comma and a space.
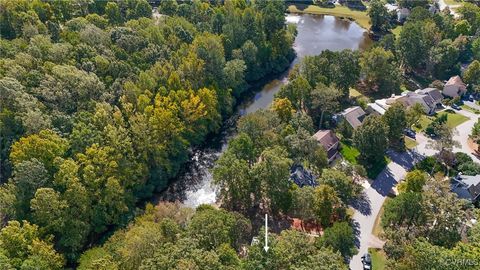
316, 33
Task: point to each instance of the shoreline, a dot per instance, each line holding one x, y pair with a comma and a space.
359, 17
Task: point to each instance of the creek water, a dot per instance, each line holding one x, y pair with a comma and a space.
316, 33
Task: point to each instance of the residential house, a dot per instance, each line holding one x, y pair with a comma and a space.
428, 104
454, 87
466, 187
353, 115
434, 93
302, 177
429, 99
330, 143
402, 14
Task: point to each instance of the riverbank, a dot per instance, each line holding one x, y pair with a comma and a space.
360, 17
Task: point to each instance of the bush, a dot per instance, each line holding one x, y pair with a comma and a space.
429, 165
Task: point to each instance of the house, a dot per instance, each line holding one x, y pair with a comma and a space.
330, 143
302, 177
402, 14
454, 87
428, 104
429, 99
434, 93
466, 187
353, 115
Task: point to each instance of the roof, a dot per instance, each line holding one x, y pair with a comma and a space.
404, 11
466, 187
302, 177
434, 93
455, 80
326, 138
412, 97
354, 116
376, 107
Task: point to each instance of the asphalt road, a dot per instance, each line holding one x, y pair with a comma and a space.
366, 209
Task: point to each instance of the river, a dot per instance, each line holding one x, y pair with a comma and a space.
316, 33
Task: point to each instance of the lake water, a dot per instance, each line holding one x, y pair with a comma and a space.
316, 33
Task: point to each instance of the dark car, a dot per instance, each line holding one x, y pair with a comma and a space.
410, 133
456, 107
471, 98
367, 261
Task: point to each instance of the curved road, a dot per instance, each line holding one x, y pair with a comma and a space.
368, 208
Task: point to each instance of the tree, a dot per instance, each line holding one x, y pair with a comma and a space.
415, 42
327, 205
343, 184
404, 210
381, 73
325, 100
340, 238
371, 140
21, 246
413, 114
444, 145
284, 109
472, 73
113, 13
379, 16
235, 76
413, 182
324, 259
396, 120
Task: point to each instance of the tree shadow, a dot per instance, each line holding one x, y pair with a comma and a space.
406, 159
362, 204
385, 182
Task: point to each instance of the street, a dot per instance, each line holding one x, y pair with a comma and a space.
367, 210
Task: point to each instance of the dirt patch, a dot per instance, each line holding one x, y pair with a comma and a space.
474, 147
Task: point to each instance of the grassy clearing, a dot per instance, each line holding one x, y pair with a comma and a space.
360, 17
354, 93
410, 143
454, 119
349, 152
379, 258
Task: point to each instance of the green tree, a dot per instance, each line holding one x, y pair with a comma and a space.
22, 247
324, 99
379, 16
396, 120
413, 182
472, 73
381, 73
342, 183
371, 140
327, 205
340, 238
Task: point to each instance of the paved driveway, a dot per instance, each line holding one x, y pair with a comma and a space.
366, 210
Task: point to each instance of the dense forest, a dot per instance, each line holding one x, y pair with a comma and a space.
101, 102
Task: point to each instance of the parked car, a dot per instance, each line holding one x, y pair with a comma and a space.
471, 98
367, 261
410, 133
456, 107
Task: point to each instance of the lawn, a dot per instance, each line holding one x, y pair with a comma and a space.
354, 93
410, 143
379, 259
360, 17
454, 119
349, 152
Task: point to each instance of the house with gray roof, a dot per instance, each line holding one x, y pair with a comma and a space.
466, 187
353, 115
434, 93
329, 142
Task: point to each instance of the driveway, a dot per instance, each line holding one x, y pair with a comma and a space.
443, 5
367, 209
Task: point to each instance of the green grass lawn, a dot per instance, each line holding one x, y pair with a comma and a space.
454, 119
379, 258
410, 143
360, 17
354, 93
349, 152
377, 227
